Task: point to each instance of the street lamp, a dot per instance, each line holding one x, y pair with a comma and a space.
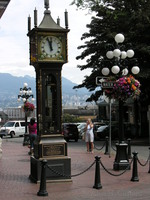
25, 94
121, 68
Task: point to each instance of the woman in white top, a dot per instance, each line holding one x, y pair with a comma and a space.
89, 137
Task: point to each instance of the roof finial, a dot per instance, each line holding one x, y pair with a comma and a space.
46, 4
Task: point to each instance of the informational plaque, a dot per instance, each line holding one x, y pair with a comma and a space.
53, 150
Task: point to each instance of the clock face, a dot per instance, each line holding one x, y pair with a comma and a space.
51, 47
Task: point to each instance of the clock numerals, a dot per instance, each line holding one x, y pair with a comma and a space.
51, 47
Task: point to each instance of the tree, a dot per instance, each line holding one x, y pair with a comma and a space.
129, 17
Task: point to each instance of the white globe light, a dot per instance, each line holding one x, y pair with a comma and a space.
119, 38
117, 52
32, 99
125, 72
24, 99
115, 69
110, 54
29, 91
130, 53
123, 54
135, 70
105, 71
19, 99
25, 85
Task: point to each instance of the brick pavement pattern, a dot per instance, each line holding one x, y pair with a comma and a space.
15, 183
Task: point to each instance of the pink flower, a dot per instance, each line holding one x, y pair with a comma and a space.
28, 106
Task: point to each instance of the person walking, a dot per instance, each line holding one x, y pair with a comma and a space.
32, 134
89, 136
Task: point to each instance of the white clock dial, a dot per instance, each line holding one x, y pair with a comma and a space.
51, 46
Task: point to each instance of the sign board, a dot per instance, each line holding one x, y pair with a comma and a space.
109, 84
100, 79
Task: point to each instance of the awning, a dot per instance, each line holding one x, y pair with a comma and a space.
3, 6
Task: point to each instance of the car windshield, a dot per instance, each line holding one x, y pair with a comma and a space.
9, 124
81, 125
101, 128
70, 126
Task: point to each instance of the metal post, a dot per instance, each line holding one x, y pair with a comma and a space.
121, 159
42, 191
109, 127
135, 170
129, 148
106, 146
149, 161
26, 135
97, 184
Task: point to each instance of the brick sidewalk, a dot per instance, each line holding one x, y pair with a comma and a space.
15, 184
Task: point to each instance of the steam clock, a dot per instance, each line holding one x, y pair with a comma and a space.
48, 53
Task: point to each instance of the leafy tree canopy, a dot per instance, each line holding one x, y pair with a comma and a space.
129, 17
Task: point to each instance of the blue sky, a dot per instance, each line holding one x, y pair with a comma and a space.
14, 43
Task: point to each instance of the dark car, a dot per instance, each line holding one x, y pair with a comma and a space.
103, 131
70, 132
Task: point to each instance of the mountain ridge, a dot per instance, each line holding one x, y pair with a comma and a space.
9, 90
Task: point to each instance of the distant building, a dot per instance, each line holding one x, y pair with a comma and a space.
3, 117
17, 113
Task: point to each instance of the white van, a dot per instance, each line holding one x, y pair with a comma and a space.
13, 128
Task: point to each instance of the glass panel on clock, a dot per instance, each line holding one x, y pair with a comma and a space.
50, 104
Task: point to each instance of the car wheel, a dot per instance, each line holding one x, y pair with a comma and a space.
76, 140
12, 134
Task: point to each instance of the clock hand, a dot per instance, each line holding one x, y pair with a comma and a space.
50, 44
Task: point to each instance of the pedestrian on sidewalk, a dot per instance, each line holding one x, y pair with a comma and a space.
32, 134
89, 136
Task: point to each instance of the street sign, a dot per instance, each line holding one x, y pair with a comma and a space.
100, 79
109, 84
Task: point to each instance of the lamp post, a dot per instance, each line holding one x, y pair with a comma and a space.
25, 94
120, 68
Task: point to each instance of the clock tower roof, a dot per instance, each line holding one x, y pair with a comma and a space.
48, 22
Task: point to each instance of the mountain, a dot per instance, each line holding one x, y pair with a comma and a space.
10, 87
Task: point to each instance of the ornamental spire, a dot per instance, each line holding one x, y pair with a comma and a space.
46, 4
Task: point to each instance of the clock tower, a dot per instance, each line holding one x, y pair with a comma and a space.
48, 53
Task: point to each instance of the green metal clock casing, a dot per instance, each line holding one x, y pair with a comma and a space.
52, 47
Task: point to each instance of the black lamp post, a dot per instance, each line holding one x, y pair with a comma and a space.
121, 68
25, 94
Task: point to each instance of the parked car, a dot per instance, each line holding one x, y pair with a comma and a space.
97, 125
13, 128
103, 131
81, 129
70, 132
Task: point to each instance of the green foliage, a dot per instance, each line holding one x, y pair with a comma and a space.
69, 118
131, 18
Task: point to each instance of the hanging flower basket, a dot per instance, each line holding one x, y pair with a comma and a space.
28, 107
124, 88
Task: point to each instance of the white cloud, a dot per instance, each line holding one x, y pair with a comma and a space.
14, 43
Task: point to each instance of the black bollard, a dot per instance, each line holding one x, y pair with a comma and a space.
129, 148
42, 191
135, 170
149, 161
106, 146
97, 184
